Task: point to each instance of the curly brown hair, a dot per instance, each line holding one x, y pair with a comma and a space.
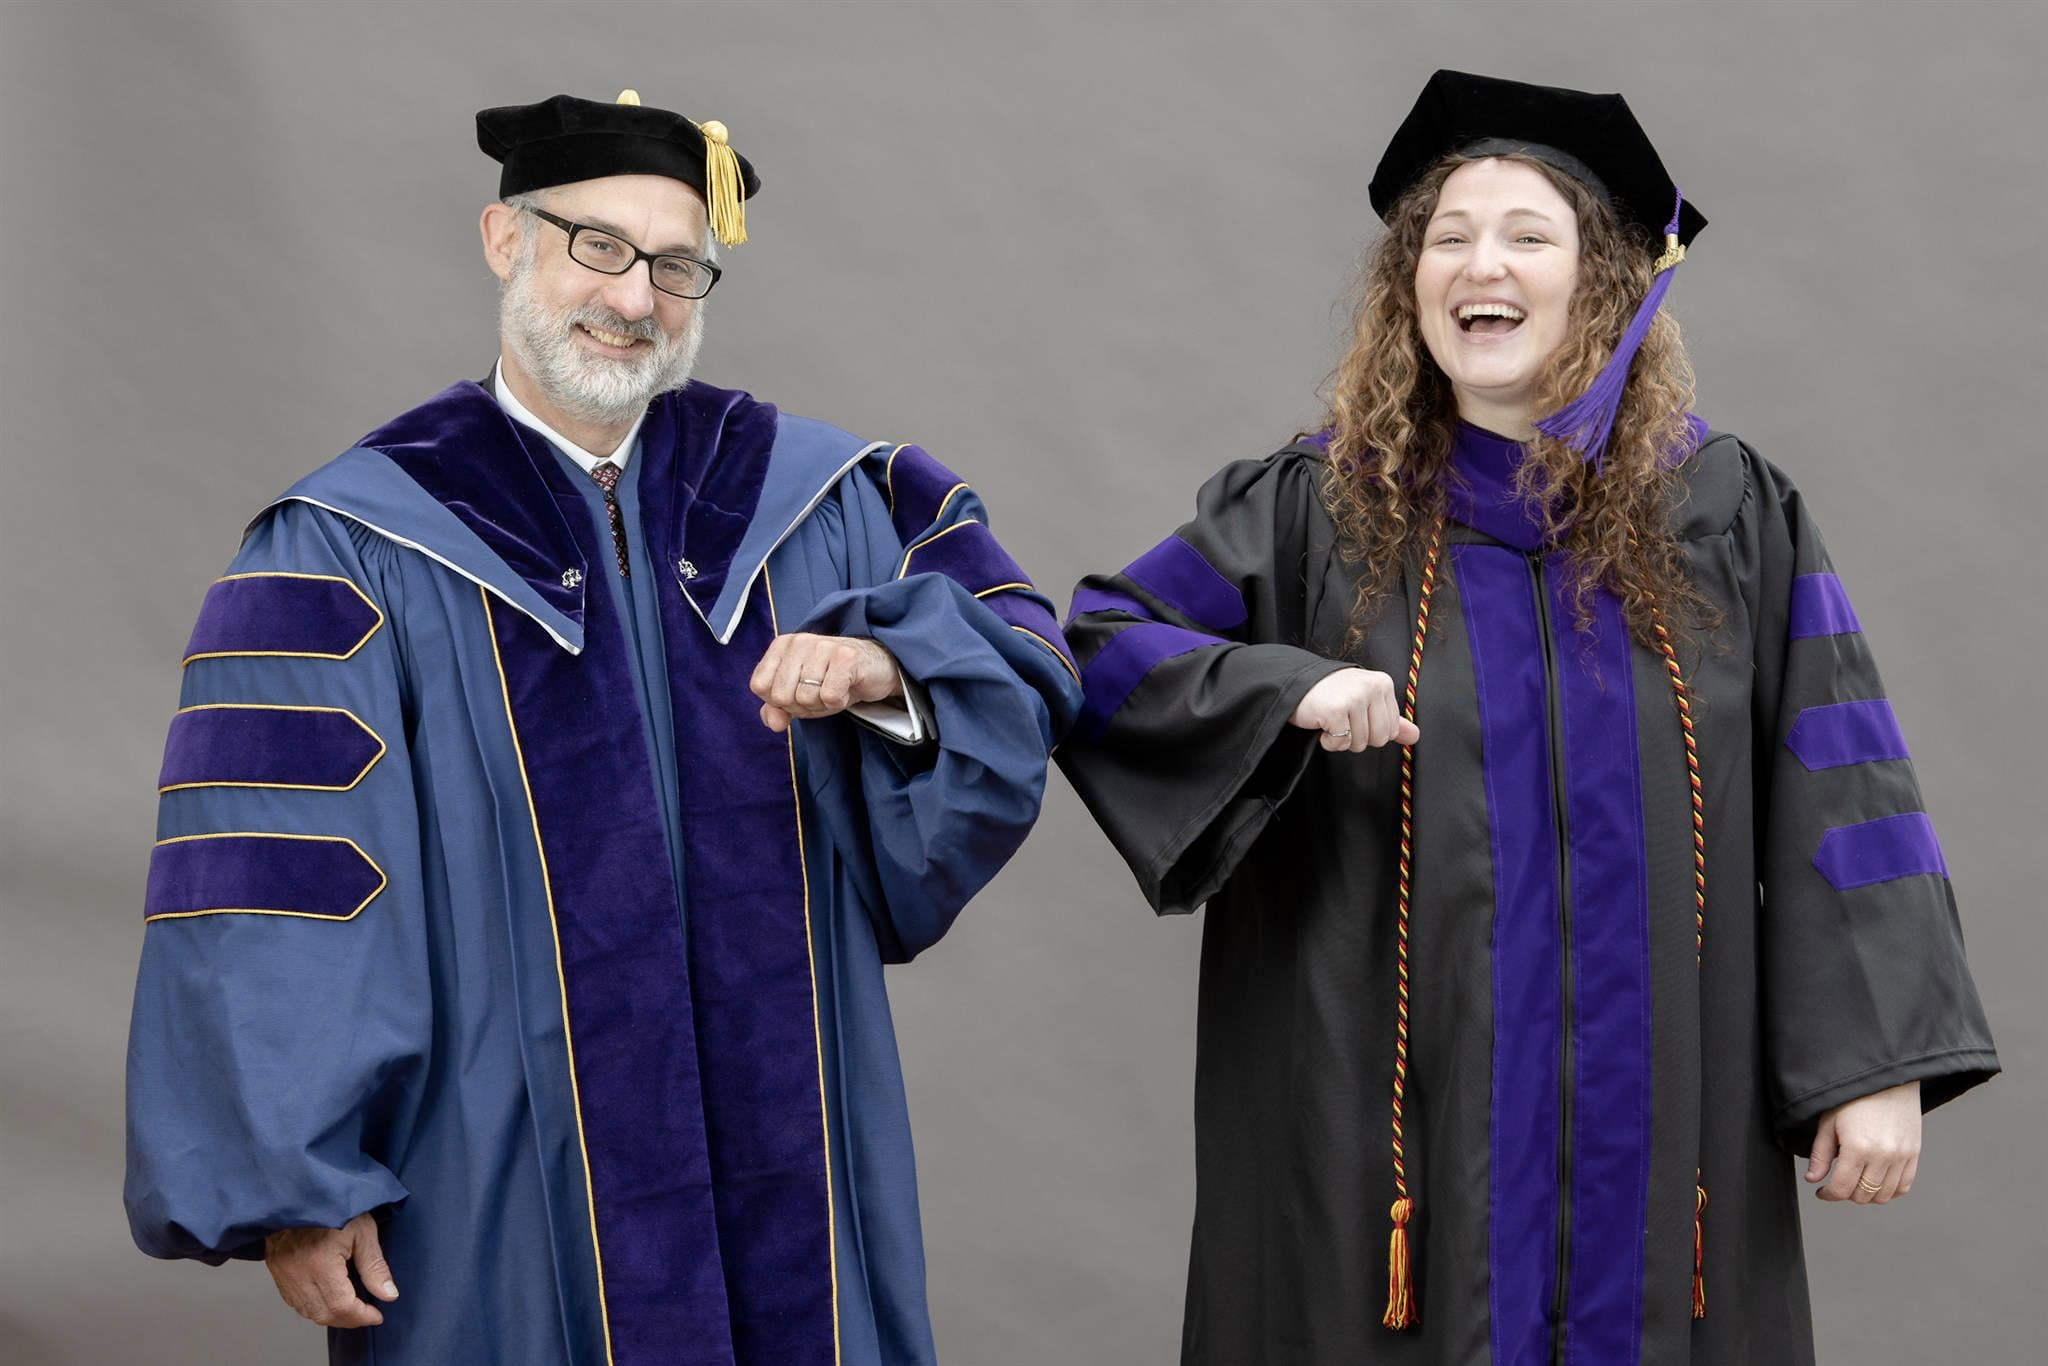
1392, 416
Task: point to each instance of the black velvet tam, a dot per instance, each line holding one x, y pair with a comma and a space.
564, 139
1594, 138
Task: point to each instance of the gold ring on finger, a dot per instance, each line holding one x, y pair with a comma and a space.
810, 682
1864, 1185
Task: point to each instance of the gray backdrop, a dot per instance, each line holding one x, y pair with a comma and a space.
1086, 254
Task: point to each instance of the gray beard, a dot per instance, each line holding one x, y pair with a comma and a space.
601, 390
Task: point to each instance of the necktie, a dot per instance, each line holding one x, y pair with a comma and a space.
607, 476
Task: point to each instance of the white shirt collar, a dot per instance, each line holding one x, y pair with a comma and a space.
520, 413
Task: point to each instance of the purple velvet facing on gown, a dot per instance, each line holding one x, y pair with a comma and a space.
750, 967
1495, 589
436, 445
696, 1060
629, 994
1610, 975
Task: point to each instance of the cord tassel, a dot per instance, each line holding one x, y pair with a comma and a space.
1681, 696
1699, 1254
1400, 1294
1400, 1282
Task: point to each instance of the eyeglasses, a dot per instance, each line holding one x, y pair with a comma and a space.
609, 254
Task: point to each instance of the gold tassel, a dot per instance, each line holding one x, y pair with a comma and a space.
727, 193
1400, 1294
1699, 1254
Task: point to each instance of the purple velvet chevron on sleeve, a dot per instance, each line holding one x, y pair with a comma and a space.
967, 553
1029, 615
314, 877
307, 616
919, 490
322, 749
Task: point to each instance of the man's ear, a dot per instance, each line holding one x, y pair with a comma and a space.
500, 228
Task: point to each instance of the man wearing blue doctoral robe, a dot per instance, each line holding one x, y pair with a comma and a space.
486, 903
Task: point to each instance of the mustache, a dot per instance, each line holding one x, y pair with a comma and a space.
597, 315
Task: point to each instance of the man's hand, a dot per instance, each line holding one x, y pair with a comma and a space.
310, 1266
1873, 1144
1355, 710
805, 676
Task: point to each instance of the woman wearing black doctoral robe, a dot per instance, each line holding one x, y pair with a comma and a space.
1565, 869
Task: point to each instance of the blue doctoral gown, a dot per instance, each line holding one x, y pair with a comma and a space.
484, 900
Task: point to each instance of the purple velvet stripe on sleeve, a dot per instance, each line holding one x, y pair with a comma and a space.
918, 489
319, 878
1610, 968
968, 554
1028, 614
1496, 594
1105, 600
283, 614
1820, 607
1846, 733
259, 746
1121, 665
1882, 850
1176, 573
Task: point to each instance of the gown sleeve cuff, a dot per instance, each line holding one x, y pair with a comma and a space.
1942, 1075
1196, 863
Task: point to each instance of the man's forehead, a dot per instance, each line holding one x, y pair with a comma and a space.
656, 205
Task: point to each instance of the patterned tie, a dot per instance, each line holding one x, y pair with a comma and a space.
607, 476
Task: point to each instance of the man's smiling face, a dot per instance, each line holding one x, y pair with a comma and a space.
600, 347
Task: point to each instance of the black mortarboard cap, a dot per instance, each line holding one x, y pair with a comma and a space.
564, 139
1594, 138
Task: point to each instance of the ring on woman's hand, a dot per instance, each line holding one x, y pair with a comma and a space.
1338, 734
1864, 1185
810, 682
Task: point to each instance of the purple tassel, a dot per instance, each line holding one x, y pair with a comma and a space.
1587, 421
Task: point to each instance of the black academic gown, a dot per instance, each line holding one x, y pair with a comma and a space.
1589, 1047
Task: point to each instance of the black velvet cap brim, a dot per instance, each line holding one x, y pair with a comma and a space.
1457, 110
565, 139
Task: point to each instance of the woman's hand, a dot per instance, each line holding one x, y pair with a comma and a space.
1873, 1144
1355, 710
